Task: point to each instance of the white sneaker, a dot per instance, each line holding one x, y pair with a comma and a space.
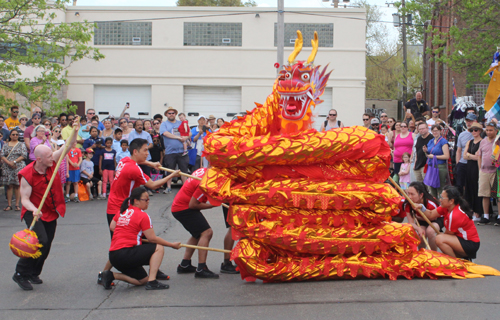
168, 190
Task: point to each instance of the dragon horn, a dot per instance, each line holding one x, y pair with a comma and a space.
298, 46
315, 44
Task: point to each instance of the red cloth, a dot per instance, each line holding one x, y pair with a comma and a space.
129, 228
189, 189
184, 129
74, 156
54, 206
128, 176
459, 223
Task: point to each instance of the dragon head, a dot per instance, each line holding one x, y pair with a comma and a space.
300, 84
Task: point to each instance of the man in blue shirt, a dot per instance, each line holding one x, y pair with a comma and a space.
139, 132
174, 149
90, 114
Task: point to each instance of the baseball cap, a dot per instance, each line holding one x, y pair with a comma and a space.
60, 142
471, 117
89, 150
99, 140
375, 120
202, 116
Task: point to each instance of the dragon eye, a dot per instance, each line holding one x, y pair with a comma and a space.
305, 76
288, 75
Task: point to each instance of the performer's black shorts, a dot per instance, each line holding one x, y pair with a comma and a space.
110, 218
226, 211
129, 261
439, 221
470, 247
193, 221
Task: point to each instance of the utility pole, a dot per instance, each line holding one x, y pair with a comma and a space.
281, 33
335, 3
405, 64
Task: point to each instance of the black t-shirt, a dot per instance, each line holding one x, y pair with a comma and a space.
156, 152
421, 158
417, 108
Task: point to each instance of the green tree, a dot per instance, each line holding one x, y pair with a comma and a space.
469, 43
36, 51
216, 3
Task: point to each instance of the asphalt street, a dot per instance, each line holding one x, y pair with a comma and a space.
80, 250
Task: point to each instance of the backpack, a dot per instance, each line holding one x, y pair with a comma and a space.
326, 123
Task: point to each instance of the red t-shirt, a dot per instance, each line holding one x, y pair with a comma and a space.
74, 155
459, 223
189, 189
184, 128
129, 228
128, 176
430, 206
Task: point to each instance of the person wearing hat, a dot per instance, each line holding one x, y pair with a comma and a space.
487, 170
173, 142
211, 120
471, 156
375, 124
461, 162
438, 148
12, 121
23, 119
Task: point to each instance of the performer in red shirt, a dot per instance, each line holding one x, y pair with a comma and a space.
127, 253
461, 238
128, 176
418, 193
34, 179
186, 209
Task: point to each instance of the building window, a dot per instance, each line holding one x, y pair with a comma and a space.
325, 33
108, 33
212, 34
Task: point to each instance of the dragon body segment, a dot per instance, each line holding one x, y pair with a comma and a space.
313, 205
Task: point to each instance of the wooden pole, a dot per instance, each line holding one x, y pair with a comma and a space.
189, 176
205, 248
66, 147
425, 239
413, 205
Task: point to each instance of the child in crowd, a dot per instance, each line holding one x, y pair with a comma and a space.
156, 152
63, 168
87, 175
117, 138
124, 152
74, 162
404, 173
184, 131
107, 165
84, 131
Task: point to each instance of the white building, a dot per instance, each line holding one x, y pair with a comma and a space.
212, 60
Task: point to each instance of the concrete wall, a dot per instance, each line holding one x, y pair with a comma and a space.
168, 65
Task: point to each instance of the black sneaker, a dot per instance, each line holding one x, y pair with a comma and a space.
496, 221
156, 285
107, 279
483, 221
188, 269
99, 278
206, 274
228, 268
161, 276
22, 282
34, 279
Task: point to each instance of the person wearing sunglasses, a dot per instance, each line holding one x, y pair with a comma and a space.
126, 130
13, 155
23, 119
366, 120
128, 253
435, 117
13, 120
331, 121
402, 143
471, 157
90, 115
438, 147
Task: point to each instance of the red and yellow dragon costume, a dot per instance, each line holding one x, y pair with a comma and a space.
313, 205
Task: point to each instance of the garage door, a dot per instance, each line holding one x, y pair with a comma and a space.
112, 100
218, 101
322, 109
